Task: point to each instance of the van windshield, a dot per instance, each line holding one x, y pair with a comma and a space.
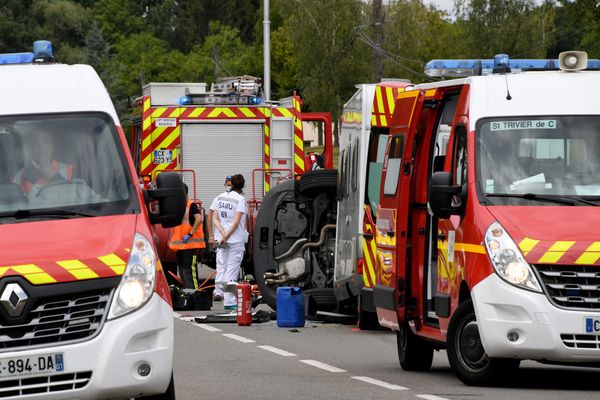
62, 166
521, 161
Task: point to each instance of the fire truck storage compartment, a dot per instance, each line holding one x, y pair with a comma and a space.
282, 147
216, 150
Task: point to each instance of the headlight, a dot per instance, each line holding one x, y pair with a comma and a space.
508, 260
137, 284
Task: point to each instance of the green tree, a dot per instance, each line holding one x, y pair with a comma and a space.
330, 61
414, 34
15, 35
501, 26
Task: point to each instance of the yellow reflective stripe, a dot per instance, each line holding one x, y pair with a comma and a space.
285, 112
299, 161
247, 112
221, 110
590, 255
169, 139
78, 269
369, 262
379, 99
158, 112
469, 248
430, 93
147, 141
114, 262
298, 123
556, 251
147, 104
527, 245
194, 272
31, 272
384, 122
197, 111
390, 99
561, 246
146, 124
267, 150
266, 111
373, 120
298, 141
176, 113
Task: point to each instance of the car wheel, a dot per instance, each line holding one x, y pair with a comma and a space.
414, 353
466, 354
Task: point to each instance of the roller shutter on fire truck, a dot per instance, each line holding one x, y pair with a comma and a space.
213, 151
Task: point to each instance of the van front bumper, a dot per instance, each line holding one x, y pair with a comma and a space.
545, 331
106, 367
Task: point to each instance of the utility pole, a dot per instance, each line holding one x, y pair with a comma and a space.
266, 51
377, 23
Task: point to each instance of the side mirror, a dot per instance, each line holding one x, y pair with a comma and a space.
172, 201
444, 199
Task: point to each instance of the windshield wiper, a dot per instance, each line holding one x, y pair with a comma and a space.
537, 197
60, 213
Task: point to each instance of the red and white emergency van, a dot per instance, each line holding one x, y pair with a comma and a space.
85, 310
505, 266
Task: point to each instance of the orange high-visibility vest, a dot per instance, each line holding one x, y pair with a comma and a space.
197, 239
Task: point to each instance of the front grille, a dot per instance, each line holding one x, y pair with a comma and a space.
44, 384
58, 319
572, 286
581, 341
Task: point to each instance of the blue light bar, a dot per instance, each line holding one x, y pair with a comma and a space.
16, 58
42, 50
255, 100
185, 100
463, 68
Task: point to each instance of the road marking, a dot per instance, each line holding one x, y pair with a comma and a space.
324, 366
430, 397
238, 338
379, 383
207, 327
277, 351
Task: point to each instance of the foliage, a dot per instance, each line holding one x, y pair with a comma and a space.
319, 48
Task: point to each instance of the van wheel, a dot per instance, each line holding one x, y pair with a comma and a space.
414, 353
318, 179
466, 354
168, 395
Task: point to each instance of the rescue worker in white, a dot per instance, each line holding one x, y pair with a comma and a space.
229, 219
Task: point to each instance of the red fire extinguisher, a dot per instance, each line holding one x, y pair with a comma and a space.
244, 304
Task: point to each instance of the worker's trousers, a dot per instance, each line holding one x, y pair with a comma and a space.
229, 259
186, 261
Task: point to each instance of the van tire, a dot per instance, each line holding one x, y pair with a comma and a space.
318, 179
168, 395
323, 297
414, 353
466, 354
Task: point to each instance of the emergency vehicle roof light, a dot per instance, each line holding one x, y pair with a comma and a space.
16, 58
42, 51
185, 100
501, 62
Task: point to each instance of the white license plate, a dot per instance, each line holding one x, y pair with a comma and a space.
33, 365
592, 325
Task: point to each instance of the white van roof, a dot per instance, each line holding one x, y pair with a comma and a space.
52, 88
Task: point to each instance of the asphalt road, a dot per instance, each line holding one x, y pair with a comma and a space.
333, 361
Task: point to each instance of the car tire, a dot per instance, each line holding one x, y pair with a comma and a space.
318, 180
414, 353
466, 354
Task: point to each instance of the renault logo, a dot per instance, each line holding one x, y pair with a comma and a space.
13, 299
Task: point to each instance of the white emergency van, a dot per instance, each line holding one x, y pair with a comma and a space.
85, 310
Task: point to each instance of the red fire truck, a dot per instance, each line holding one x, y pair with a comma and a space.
207, 133
505, 265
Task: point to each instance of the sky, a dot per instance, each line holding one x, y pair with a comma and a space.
446, 5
